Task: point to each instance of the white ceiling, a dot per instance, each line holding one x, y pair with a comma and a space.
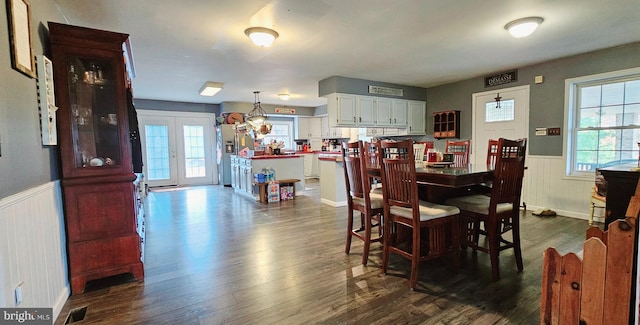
178, 45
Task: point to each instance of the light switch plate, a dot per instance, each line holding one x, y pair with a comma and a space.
553, 131
541, 131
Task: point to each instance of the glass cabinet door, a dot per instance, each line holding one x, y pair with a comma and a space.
93, 103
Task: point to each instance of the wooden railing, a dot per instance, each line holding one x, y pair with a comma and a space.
597, 288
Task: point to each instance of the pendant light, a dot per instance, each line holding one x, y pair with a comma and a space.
257, 118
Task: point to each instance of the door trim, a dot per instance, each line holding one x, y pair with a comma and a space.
474, 97
149, 114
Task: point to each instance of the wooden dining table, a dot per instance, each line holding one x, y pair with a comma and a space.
436, 184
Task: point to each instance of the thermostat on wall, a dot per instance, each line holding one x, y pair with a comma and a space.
541, 131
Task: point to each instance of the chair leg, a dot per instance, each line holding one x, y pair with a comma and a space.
455, 242
367, 238
591, 213
494, 248
347, 248
515, 232
415, 259
386, 241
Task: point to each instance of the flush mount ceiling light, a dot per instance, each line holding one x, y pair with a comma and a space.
210, 88
523, 27
283, 96
261, 36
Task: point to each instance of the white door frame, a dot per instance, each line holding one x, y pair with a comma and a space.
210, 143
483, 146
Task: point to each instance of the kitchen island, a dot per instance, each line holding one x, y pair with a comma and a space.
285, 167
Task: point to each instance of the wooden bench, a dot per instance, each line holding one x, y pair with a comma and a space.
283, 182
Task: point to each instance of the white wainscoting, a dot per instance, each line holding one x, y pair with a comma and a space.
33, 248
546, 186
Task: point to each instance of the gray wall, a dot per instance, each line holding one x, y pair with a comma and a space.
25, 162
244, 107
338, 84
163, 105
546, 99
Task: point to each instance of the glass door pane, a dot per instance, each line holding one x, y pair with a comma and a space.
194, 155
157, 137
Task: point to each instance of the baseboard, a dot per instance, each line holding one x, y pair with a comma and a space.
61, 300
333, 203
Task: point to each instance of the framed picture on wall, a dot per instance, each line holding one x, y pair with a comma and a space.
19, 12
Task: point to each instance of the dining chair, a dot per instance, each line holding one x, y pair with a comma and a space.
403, 210
418, 153
499, 212
460, 151
492, 154
427, 145
360, 198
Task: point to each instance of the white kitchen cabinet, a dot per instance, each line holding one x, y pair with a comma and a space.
399, 109
308, 128
329, 132
324, 122
311, 166
416, 124
366, 110
384, 112
245, 178
235, 171
379, 132
341, 109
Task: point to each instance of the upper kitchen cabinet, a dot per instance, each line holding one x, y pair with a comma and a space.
366, 110
399, 108
341, 109
308, 128
417, 113
385, 112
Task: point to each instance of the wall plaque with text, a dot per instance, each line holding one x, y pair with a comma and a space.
501, 78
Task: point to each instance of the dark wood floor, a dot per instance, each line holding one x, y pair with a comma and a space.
213, 257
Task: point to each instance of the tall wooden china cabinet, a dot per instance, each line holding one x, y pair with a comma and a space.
101, 204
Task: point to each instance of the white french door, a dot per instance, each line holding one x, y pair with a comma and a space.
510, 120
177, 148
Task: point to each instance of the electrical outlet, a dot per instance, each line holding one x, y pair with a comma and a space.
18, 294
553, 131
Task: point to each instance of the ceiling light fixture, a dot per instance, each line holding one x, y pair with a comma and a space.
210, 88
261, 36
523, 27
283, 96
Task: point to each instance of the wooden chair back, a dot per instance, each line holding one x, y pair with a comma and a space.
370, 155
492, 154
509, 172
427, 145
351, 154
418, 153
398, 172
460, 151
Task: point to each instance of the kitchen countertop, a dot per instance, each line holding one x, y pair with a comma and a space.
276, 157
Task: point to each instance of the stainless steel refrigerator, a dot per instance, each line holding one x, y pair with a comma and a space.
229, 143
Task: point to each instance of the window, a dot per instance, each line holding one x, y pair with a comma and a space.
505, 112
604, 121
281, 130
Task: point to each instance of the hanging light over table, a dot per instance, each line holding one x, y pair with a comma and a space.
257, 118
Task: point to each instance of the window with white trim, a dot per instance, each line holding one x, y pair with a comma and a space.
281, 130
604, 121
